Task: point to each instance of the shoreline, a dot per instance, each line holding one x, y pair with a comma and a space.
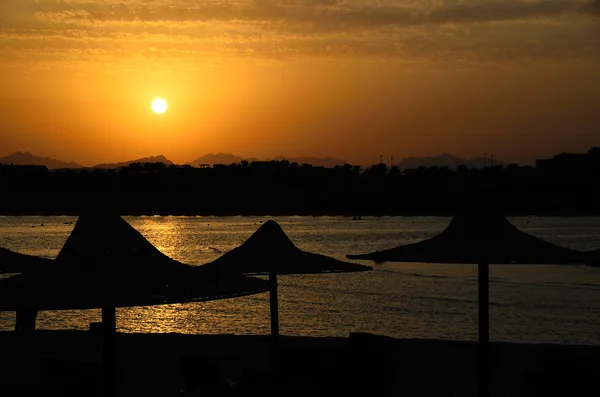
521, 214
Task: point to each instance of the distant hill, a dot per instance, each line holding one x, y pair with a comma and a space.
219, 158
445, 160
227, 158
152, 159
26, 158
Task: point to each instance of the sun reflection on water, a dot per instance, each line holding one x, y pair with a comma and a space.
164, 233
401, 300
245, 315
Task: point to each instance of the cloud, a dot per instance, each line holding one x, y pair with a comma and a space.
328, 16
283, 29
592, 8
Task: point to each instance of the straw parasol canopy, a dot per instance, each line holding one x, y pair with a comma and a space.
34, 292
270, 251
594, 259
15, 262
106, 261
480, 236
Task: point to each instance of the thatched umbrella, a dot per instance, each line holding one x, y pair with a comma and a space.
482, 238
594, 259
105, 264
15, 262
269, 251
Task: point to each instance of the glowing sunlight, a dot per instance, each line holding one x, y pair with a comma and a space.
159, 106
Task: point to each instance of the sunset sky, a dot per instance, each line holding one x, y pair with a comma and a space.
350, 79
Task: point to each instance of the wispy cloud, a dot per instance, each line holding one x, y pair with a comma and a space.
317, 15
592, 8
269, 29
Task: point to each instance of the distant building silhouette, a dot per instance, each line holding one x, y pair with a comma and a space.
565, 162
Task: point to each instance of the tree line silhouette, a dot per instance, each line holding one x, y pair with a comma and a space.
565, 184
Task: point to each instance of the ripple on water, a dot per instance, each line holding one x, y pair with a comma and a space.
545, 304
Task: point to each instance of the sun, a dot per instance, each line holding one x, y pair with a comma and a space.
159, 106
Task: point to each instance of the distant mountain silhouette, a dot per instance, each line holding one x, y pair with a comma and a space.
26, 158
152, 159
445, 160
227, 158
219, 158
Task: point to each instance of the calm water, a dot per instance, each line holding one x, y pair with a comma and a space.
556, 304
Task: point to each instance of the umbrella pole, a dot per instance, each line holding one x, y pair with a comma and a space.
483, 354
109, 350
274, 306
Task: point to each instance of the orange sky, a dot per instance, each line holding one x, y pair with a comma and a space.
349, 79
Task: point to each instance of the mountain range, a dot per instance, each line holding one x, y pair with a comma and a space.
219, 158
26, 158
446, 160
443, 160
227, 158
152, 159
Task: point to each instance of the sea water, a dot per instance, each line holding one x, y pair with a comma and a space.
539, 304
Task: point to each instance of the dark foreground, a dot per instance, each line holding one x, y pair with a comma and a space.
67, 363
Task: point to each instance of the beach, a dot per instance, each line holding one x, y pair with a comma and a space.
68, 363
398, 330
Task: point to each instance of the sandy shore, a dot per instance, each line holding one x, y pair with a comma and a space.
67, 363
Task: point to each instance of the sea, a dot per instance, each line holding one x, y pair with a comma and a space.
529, 304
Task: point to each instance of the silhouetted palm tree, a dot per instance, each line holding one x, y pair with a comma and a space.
135, 167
